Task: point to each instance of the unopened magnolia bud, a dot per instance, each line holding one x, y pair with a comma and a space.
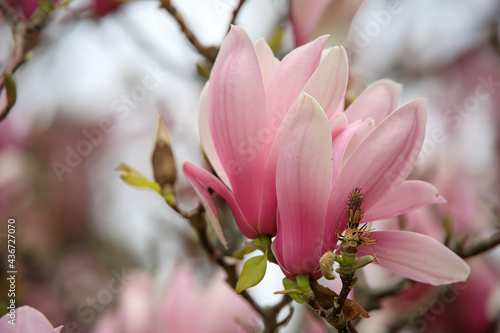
363, 261
326, 264
163, 160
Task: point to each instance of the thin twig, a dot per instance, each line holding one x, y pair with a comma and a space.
480, 246
235, 14
210, 52
25, 34
269, 315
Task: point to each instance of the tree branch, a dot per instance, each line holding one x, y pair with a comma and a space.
235, 14
25, 34
210, 52
479, 246
269, 315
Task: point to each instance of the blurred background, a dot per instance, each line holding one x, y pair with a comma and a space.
97, 255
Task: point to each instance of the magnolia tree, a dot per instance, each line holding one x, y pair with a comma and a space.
309, 165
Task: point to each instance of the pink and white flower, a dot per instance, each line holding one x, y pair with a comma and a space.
241, 110
314, 181
310, 17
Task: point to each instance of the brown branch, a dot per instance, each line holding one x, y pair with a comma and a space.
235, 14
25, 34
480, 246
8, 11
344, 292
269, 315
210, 52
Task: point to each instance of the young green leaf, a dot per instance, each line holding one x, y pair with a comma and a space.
240, 253
253, 272
134, 178
248, 248
289, 284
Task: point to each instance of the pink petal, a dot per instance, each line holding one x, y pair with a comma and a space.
376, 102
200, 179
27, 320
289, 80
381, 162
268, 196
282, 94
238, 119
268, 63
362, 131
410, 195
338, 123
305, 17
340, 143
206, 137
416, 256
328, 83
304, 175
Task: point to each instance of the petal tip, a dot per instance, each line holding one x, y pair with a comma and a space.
440, 199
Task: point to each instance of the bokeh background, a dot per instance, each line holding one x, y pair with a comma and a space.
90, 97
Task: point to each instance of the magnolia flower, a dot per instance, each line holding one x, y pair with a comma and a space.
314, 181
185, 306
241, 109
27, 320
331, 16
305, 16
218, 309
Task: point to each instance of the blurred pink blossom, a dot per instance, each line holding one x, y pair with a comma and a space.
311, 18
27, 320
185, 306
212, 307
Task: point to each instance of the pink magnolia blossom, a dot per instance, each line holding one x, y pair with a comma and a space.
185, 306
305, 16
314, 181
241, 110
27, 320
26, 8
189, 306
136, 311
330, 16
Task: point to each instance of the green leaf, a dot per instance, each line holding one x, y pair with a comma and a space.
289, 284
240, 253
134, 178
248, 248
11, 90
253, 272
